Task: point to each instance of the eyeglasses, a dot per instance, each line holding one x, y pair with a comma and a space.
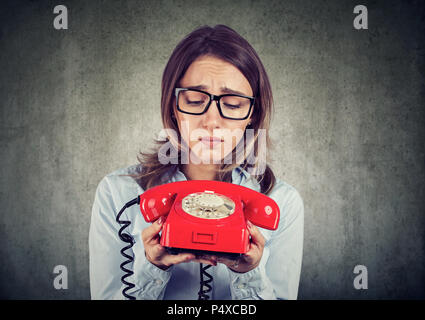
197, 102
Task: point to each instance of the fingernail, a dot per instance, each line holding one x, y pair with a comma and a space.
249, 224
160, 220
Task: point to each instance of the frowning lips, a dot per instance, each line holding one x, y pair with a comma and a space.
210, 140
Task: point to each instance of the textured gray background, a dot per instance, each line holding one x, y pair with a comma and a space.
77, 104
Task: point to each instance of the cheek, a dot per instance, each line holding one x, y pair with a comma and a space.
188, 126
238, 127
233, 133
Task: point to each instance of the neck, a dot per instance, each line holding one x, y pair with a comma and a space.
199, 171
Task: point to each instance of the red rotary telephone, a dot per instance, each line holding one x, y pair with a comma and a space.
206, 215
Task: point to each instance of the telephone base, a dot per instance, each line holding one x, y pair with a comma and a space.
228, 255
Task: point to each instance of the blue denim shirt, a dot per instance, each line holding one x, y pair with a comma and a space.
276, 277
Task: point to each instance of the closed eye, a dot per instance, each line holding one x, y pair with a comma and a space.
194, 102
232, 106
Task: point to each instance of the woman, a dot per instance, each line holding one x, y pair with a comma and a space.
216, 106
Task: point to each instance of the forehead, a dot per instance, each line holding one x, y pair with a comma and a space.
215, 74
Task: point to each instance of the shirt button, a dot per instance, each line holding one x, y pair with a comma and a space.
158, 282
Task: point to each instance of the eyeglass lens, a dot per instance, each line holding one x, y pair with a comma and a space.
231, 106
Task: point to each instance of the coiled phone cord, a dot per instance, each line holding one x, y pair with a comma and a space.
203, 293
126, 237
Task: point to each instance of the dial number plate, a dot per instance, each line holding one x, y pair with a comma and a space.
208, 205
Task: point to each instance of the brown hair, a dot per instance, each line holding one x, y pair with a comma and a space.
224, 43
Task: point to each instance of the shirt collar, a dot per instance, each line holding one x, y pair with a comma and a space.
240, 175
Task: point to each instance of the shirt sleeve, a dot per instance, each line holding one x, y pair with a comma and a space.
105, 256
278, 274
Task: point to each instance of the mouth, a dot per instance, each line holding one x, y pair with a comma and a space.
211, 141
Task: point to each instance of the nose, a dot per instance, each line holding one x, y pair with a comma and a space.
212, 118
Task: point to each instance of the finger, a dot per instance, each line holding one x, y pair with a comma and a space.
179, 258
153, 230
256, 237
205, 261
157, 250
251, 255
233, 264
226, 261
206, 257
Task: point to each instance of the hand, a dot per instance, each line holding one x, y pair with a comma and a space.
252, 258
157, 254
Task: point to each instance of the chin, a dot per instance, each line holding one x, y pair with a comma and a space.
208, 157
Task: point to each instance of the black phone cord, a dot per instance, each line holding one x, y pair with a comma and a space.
126, 237
203, 293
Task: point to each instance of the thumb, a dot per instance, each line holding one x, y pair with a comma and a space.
153, 230
256, 236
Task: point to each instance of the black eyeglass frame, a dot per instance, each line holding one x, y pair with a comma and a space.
214, 98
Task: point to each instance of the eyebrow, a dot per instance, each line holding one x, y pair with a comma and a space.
224, 90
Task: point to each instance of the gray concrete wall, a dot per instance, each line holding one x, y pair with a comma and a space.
77, 104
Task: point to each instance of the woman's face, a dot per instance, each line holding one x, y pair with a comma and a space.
209, 136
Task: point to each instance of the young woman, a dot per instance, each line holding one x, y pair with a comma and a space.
216, 109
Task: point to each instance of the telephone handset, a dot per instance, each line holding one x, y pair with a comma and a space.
208, 216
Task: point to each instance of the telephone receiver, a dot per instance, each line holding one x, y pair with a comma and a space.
258, 208
205, 215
